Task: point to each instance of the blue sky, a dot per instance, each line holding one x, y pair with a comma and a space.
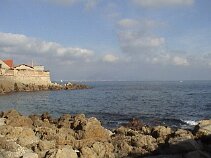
110, 40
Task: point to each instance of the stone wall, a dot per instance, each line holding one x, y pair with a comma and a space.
26, 76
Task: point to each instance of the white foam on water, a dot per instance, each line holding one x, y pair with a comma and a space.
190, 122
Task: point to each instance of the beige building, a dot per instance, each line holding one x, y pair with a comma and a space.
24, 74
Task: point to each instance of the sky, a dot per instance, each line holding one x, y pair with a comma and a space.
132, 40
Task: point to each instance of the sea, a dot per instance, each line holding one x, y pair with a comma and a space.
173, 103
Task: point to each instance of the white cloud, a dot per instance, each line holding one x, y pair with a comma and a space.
163, 3
137, 42
128, 23
180, 61
110, 58
17, 44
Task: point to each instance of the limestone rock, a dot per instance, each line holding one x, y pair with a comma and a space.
2, 121
92, 129
144, 141
64, 121
87, 152
47, 145
13, 118
161, 131
122, 146
184, 134
66, 152
30, 155
203, 128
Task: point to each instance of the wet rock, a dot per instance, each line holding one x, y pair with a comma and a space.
182, 145
197, 154
166, 156
134, 124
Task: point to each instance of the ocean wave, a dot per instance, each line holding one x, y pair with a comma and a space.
190, 122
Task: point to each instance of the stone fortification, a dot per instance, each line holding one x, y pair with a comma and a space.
23, 74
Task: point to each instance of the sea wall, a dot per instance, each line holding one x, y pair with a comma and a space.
26, 76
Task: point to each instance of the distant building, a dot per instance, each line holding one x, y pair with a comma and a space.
3, 65
24, 73
9, 62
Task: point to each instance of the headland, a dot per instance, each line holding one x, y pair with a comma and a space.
29, 78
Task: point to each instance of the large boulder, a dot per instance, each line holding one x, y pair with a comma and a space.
122, 145
15, 119
91, 129
146, 142
64, 121
98, 150
10, 149
203, 128
182, 145
161, 131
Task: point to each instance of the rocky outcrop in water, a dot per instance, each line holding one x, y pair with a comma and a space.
19, 87
75, 136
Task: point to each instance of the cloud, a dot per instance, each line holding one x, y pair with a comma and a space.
88, 4
138, 41
180, 61
110, 58
134, 42
17, 44
128, 23
162, 3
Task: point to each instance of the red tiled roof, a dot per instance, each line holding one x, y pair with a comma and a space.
9, 62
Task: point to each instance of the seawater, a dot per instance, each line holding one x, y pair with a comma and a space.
171, 103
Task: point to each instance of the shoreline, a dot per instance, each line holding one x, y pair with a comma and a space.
11, 87
77, 136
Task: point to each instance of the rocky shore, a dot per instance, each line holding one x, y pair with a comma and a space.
75, 136
8, 87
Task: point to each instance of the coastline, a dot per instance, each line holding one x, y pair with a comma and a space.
77, 136
7, 87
